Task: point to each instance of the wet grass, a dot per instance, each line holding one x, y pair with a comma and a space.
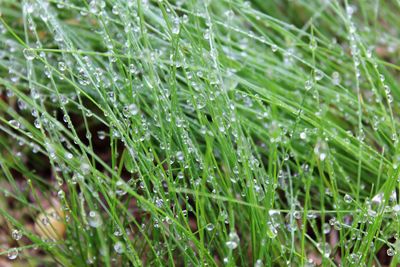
190, 133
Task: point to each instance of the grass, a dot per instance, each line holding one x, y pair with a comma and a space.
188, 133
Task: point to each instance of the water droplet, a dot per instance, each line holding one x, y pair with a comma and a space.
210, 227
60, 194
348, 198
118, 232
335, 78
206, 34
318, 75
101, 135
120, 188
12, 253
180, 156
377, 199
14, 124
130, 110
176, 25
326, 228
119, 247
274, 48
62, 66
313, 44
308, 85
29, 53
160, 203
321, 149
303, 135
115, 10
396, 209
390, 252
16, 234
324, 248
354, 258
94, 219
259, 263
233, 241
271, 230
85, 168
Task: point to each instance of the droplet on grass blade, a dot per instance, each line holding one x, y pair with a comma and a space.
180, 156
94, 219
120, 188
308, 85
318, 75
101, 135
390, 252
354, 258
130, 110
313, 44
377, 199
16, 234
119, 247
12, 254
29, 53
176, 25
325, 249
14, 124
233, 241
210, 227
118, 232
326, 228
271, 230
85, 168
259, 263
335, 78
348, 198
62, 66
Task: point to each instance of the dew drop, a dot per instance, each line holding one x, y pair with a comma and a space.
313, 44
259, 263
29, 53
326, 228
271, 230
210, 227
101, 135
233, 241
390, 252
377, 199
348, 198
118, 232
12, 253
61, 66
308, 85
324, 248
120, 188
180, 156
85, 168
318, 75
14, 124
119, 247
176, 26
130, 110
94, 219
335, 78
16, 234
